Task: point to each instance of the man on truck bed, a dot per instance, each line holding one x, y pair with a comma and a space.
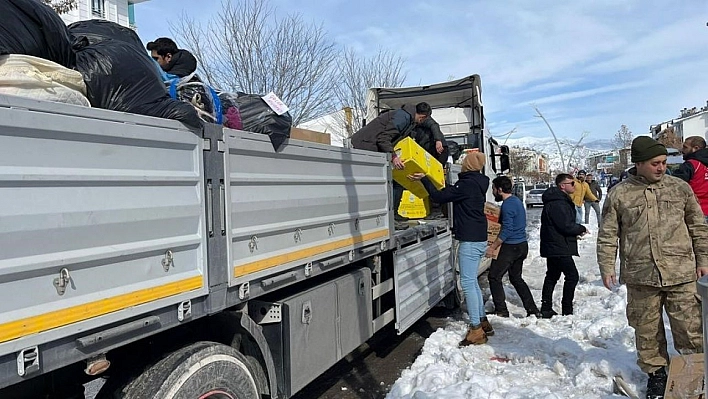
385, 131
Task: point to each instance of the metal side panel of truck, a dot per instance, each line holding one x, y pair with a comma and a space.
101, 219
289, 211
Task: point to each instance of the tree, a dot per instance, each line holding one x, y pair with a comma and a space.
61, 6
246, 47
521, 161
357, 74
623, 138
669, 138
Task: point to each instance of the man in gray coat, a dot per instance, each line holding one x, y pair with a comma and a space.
382, 134
597, 192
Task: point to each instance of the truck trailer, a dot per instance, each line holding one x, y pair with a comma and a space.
182, 264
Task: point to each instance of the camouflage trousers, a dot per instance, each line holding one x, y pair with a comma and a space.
644, 313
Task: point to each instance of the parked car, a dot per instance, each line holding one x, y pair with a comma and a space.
534, 197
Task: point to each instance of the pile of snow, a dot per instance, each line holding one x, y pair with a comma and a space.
564, 357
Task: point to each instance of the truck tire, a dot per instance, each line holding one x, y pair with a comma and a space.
204, 370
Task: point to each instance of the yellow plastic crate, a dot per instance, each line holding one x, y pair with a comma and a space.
417, 160
413, 207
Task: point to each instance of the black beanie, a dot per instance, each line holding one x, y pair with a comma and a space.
645, 148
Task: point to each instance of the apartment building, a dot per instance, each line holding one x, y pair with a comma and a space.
118, 11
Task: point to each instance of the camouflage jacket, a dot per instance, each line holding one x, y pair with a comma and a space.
661, 231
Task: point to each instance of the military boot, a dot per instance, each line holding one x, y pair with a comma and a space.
656, 386
475, 336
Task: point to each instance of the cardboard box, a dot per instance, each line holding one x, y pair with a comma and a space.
492, 211
685, 377
493, 230
416, 160
413, 207
310, 135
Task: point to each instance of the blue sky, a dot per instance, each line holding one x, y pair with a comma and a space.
588, 65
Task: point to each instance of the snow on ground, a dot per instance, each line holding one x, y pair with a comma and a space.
564, 357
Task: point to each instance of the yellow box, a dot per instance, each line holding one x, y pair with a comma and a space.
413, 207
417, 160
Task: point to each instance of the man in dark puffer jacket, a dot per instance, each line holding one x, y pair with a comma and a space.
559, 244
174, 61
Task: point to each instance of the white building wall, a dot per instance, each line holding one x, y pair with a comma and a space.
115, 11
695, 125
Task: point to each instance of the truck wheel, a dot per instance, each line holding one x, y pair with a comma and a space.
204, 370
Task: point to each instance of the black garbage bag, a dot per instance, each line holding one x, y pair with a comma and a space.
258, 117
201, 96
30, 27
120, 77
94, 31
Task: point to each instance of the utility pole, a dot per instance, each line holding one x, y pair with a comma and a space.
540, 115
576, 146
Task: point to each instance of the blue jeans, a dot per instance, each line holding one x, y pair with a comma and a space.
469, 255
578, 214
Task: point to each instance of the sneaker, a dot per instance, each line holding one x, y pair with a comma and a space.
656, 385
475, 336
487, 327
547, 314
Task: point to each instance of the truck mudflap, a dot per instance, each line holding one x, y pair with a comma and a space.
322, 201
423, 276
101, 219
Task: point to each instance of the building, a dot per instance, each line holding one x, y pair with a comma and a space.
691, 122
118, 11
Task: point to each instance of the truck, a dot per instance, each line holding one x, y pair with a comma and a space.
182, 264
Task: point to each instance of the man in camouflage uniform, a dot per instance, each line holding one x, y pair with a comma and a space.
663, 245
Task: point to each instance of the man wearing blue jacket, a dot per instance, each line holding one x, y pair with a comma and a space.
513, 249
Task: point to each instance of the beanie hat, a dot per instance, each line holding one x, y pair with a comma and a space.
581, 172
473, 162
645, 148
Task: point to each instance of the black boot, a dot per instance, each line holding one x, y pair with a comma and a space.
657, 384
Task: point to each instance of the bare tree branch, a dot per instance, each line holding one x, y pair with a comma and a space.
246, 47
357, 74
61, 6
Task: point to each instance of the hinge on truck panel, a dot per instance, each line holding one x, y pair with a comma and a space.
308, 269
62, 281
184, 310
28, 361
244, 291
168, 260
220, 146
207, 145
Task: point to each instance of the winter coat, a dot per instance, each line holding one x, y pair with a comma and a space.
559, 231
595, 189
582, 193
386, 130
426, 134
695, 172
182, 64
661, 231
467, 195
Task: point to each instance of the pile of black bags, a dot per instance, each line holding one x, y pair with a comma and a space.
118, 73
120, 76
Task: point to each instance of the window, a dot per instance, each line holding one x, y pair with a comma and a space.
131, 15
97, 8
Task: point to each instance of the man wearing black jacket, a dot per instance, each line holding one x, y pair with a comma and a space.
174, 61
559, 244
429, 136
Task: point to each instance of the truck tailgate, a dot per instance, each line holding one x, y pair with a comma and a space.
301, 204
101, 219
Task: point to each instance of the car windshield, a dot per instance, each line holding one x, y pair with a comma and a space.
536, 191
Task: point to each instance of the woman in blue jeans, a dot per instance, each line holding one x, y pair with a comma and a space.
469, 227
